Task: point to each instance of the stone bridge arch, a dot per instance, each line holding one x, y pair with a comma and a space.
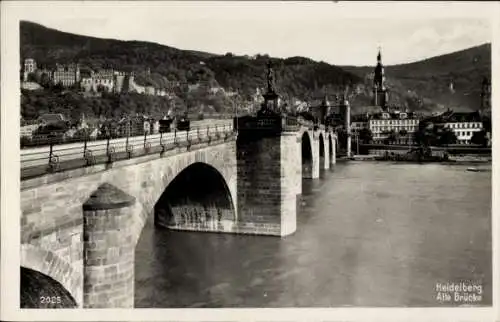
43, 267
197, 198
322, 155
125, 201
154, 184
307, 155
60, 206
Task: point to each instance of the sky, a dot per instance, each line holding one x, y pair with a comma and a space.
335, 32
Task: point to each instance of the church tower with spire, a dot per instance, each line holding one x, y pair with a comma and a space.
380, 96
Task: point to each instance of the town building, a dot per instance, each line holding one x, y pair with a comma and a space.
100, 81
397, 127
28, 130
48, 119
320, 109
401, 126
388, 124
90, 81
30, 86
29, 67
66, 75
359, 122
464, 125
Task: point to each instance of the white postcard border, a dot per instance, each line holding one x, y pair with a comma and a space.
11, 13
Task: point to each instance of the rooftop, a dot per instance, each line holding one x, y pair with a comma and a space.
52, 118
364, 117
464, 117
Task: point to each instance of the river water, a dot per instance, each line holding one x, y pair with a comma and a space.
368, 234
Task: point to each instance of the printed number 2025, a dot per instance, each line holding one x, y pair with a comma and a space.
50, 299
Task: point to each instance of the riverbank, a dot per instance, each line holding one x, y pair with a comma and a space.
457, 160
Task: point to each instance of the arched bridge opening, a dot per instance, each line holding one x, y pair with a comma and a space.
41, 291
331, 146
321, 152
198, 198
307, 158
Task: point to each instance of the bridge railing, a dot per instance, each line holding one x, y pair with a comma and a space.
54, 158
59, 137
268, 123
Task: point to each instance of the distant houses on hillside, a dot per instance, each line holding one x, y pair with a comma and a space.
87, 80
52, 126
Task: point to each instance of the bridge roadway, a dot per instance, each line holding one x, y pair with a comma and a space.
35, 160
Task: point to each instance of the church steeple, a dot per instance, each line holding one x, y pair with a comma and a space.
379, 91
379, 79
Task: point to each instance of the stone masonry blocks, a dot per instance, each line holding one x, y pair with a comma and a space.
268, 174
52, 214
333, 142
108, 280
47, 263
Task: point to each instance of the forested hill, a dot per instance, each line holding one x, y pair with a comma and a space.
430, 79
297, 77
419, 86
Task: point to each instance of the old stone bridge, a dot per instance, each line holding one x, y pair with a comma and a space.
80, 226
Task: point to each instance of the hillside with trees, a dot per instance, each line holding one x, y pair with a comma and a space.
425, 85
297, 78
420, 86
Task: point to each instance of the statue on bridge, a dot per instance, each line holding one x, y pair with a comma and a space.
270, 78
270, 106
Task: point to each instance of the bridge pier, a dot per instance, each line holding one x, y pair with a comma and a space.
326, 159
109, 248
315, 157
268, 176
333, 148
